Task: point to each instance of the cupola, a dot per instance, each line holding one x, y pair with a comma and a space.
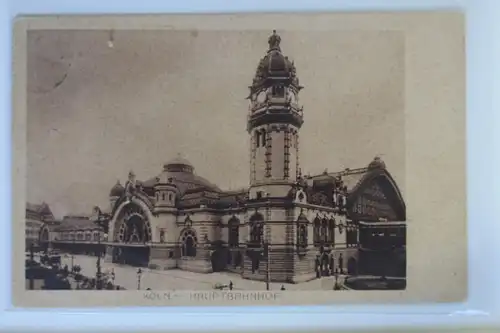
376, 163
117, 190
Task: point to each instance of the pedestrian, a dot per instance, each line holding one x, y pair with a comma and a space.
316, 267
230, 285
282, 287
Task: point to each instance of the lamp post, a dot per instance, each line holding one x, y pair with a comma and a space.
139, 273
32, 282
266, 244
99, 273
268, 266
73, 254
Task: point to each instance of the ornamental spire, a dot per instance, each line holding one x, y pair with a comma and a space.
274, 41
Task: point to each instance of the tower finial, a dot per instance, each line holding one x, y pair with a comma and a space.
274, 41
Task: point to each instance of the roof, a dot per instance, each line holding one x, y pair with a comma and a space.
383, 223
75, 223
350, 177
38, 208
274, 65
117, 190
179, 160
33, 207
181, 171
233, 197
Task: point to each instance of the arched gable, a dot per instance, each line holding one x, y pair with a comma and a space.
119, 211
375, 197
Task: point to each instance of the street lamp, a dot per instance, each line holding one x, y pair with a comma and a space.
139, 273
73, 254
99, 273
31, 264
268, 266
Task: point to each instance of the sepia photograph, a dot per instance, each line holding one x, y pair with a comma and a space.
217, 160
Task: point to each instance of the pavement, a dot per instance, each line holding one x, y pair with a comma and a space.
175, 279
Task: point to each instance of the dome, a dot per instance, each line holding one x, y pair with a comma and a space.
278, 62
377, 163
179, 172
117, 190
274, 64
179, 164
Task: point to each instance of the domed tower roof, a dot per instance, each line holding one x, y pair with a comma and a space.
275, 65
179, 164
117, 190
376, 163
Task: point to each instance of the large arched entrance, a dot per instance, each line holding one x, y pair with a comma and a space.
133, 233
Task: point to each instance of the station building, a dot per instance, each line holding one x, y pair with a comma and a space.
281, 227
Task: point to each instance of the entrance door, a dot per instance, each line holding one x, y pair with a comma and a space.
218, 261
133, 256
352, 266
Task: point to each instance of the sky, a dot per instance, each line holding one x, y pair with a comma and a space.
96, 112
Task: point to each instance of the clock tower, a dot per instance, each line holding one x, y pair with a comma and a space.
274, 120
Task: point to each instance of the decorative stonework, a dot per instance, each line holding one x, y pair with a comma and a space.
269, 153
253, 156
286, 167
226, 223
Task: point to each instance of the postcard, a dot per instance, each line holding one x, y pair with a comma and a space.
244, 159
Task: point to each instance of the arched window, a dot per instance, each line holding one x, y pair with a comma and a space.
331, 231
317, 226
163, 196
256, 229
189, 242
234, 232
170, 197
263, 136
324, 231
302, 236
257, 139
352, 234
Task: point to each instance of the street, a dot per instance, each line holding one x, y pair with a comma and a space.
126, 276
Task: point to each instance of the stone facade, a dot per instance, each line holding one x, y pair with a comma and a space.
36, 216
282, 227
